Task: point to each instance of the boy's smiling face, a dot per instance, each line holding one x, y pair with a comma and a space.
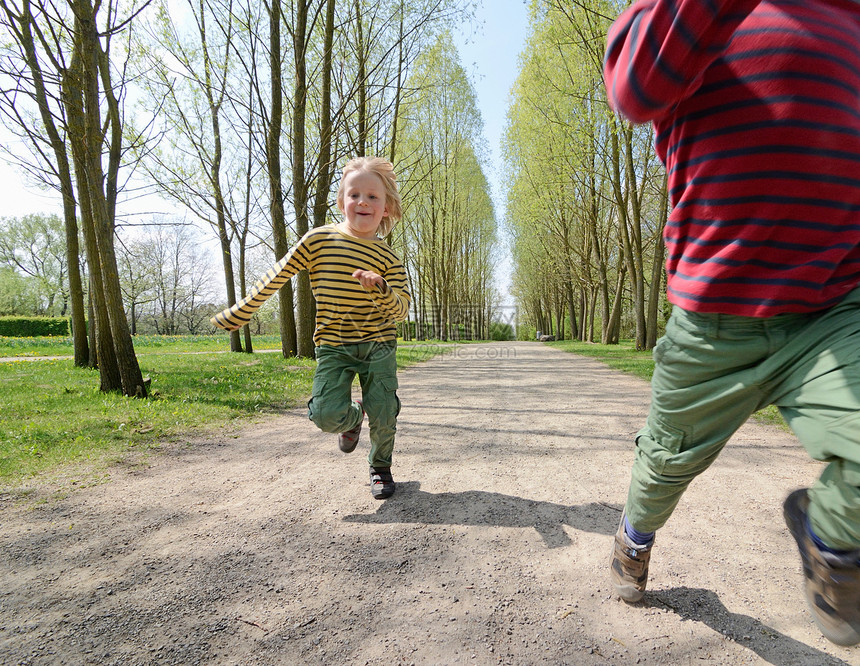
364, 201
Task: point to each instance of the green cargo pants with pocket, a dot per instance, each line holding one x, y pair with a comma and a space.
712, 371
331, 406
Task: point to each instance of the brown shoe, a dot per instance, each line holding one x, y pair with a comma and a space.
629, 566
347, 441
831, 582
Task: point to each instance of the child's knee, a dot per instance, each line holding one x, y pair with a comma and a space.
326, 415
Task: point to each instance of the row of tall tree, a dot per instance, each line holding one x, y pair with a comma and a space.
587, 200
241, 112
448, 236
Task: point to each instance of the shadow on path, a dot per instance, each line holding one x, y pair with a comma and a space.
481, 508
700, 605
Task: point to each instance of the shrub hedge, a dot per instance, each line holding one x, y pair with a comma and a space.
27, 327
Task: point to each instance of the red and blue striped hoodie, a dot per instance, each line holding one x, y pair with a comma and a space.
756, 113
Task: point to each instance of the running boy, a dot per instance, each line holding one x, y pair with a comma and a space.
756, 111
360, 289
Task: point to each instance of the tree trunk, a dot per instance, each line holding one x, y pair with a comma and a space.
398, 91
73, 100
657, 269
326, 163
589, 303
103, 203
571, 304
246, 222
612, 332
286, 313
636, 259
623, 189
215, 178
596, 247
361, 49
76, 285
305, 302
249, 347
24, 34
91, 329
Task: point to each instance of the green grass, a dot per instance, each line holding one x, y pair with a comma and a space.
143, 344
626, 358
40, 346
52, 414
622, 356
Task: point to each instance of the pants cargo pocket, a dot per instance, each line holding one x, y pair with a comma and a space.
390, 385
666, 450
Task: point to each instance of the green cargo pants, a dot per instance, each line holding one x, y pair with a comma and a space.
713, 371
331, 407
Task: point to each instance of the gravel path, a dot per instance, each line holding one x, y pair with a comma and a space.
264, 546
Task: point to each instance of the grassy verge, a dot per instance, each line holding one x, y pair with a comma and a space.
143, 344
622, 356
53, 414
626, 358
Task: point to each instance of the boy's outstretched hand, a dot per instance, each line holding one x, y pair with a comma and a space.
369, 279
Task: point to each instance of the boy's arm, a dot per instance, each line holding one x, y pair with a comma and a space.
657, 51
236, 316
391, 299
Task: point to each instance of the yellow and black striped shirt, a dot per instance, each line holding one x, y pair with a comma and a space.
345, 312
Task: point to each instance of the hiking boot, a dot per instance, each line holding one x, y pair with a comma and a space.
831, 581
381, 482
629, 566
347, 441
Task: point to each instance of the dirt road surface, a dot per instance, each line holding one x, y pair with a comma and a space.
263, 545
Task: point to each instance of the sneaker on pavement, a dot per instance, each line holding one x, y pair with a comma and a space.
831, 581
347, 441
381, 482
629, 566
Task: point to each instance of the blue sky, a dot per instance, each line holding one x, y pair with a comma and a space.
490, 55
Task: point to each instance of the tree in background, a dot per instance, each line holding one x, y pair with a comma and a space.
136, 280
303, 19
33, 109
95, 125
167, 279
34, 247
448, 230
272, 126
64, 73
188, 72
587, 197
17, 295
207, 134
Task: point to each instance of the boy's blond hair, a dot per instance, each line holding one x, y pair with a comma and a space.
385, 170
